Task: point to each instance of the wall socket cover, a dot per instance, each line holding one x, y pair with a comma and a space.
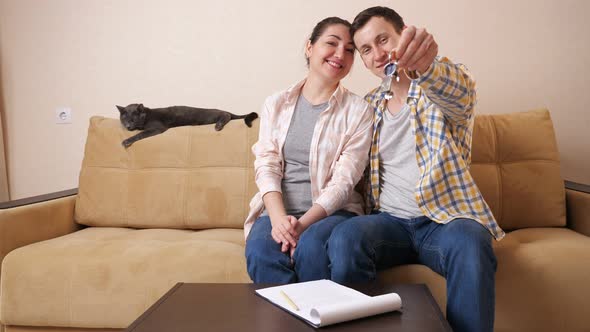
63, 115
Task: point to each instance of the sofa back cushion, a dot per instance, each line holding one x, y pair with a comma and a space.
515, 163
195, 177
188, 177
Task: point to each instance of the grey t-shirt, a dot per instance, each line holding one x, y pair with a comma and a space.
398, 168
296, 184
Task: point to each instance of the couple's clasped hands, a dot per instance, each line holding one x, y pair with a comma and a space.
286, 231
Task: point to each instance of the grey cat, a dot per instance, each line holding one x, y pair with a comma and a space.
154, 121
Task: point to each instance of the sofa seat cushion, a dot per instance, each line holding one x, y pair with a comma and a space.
542, 272
107, 277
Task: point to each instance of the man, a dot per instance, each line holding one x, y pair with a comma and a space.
425, 205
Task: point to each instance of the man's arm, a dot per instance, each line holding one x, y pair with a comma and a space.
450, 86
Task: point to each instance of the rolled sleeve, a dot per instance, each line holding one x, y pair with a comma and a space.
451, 87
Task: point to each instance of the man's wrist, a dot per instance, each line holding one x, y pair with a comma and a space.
428, 71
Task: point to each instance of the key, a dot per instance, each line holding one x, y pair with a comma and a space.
390, 68
386, 85
390, 71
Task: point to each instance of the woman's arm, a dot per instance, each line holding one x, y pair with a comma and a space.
349, 166
347, 171
315, 213
268, 168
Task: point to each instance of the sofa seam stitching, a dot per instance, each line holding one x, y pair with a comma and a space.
162, 168
186, 184
126, 211
548, 161
499, 170
249, 164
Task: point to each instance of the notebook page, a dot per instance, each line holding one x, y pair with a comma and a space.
324, 302
345, 311
308, 295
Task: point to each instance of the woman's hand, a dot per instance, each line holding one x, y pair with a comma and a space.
283, 231
299, 229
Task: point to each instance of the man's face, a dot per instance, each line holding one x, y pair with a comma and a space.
374, 41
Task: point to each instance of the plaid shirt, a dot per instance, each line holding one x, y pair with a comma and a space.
338, 152
442, 103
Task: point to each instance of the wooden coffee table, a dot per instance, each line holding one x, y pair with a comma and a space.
236, 307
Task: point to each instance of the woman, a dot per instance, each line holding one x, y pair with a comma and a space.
311, 151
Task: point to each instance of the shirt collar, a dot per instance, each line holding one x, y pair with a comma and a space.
414, 91
377, 95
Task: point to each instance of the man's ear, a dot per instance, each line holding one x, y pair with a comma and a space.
120, 108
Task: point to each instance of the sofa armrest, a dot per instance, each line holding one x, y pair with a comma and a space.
35, 219
577, 198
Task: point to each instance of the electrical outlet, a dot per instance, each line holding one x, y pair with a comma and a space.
63, 115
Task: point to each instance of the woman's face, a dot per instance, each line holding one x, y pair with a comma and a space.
332, 55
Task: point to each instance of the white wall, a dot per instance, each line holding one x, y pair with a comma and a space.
90, 55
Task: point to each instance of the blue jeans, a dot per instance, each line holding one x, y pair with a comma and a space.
461, 251
267, 264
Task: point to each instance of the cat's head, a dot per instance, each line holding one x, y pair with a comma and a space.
132, 116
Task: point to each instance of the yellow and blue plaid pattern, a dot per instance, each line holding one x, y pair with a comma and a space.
442, 103
373, 195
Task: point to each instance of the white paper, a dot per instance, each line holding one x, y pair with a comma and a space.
324, 302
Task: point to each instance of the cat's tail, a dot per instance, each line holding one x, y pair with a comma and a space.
248, 118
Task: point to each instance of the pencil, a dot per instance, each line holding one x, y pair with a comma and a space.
291, 303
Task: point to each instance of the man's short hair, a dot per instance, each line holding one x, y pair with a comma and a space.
388, 14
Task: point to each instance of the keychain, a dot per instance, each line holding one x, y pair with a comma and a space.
390, 71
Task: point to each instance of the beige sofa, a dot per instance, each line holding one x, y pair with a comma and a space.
171, 208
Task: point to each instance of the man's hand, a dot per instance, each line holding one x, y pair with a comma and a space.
416, 49
284, 232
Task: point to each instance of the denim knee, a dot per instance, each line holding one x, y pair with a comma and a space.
256, 251
311, 260
344, 240
350, 261
309, 248
471, 244
267, 264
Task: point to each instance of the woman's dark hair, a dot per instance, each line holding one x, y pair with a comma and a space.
388, 14
322, 25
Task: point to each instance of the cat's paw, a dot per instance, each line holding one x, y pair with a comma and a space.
126, 143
